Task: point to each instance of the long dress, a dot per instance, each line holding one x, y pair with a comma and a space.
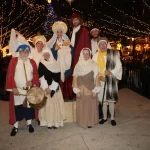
53, 114
66, 86
86, 106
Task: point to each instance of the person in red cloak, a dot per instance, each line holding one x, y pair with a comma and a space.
80, 37
22, 73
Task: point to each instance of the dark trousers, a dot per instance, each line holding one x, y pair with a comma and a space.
23, 112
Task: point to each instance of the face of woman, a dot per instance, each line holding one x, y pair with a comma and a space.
39, 46
59, 33
46, 56
86, 54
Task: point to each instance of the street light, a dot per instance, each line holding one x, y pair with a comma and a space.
133, 51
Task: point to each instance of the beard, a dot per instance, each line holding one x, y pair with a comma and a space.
24, 58
95, 36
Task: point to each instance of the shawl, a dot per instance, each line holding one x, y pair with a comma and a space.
111, 80
51, 64
84, 67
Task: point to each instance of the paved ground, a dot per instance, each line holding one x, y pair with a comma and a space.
131, 133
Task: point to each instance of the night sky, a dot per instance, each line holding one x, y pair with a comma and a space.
115, 18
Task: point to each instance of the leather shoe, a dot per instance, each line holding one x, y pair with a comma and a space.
14, 131
102, 121
30, 128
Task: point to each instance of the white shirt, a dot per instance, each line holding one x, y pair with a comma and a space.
117, 71
20, 79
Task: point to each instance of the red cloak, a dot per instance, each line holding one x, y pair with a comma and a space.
10, 84
82, 40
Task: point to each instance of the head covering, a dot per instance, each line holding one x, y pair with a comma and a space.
39, 38
56, 26
81, 57
51, 64
17, 42
59, 25
75, 15
102, 39
23, 48
94, 28
84, 67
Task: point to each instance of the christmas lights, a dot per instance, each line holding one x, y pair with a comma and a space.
23, 16
50, 19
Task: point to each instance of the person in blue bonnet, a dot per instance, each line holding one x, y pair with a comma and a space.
62, 52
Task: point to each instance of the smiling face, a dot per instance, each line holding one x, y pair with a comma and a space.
95, 33
39, 46
103, 46
86, 54
24, 54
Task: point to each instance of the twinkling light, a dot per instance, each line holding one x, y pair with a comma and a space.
77, 10
70, 1
122, 12
146, 3
112, 21
50, 19
23, 16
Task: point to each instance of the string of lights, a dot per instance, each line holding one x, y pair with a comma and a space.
118, 23
27, 12
30, 14
122, 12
146, 3
113, 21
121, 25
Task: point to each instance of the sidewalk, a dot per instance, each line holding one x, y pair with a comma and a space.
131, 133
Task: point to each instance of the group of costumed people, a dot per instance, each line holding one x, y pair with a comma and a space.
61, 66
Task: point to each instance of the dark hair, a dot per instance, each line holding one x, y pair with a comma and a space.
80, 19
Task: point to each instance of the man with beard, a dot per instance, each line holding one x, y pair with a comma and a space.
95, 33
39, 42
22, 74
80, 37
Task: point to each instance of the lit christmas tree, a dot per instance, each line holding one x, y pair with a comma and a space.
51, 18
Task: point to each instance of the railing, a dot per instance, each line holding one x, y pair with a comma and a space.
137, 78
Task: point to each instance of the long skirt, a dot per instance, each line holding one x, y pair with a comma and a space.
87, 111
53, 114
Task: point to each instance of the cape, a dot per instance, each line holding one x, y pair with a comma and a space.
82, 40
10, 84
